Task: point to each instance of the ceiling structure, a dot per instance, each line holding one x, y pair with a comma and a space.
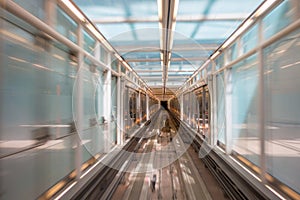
165, 41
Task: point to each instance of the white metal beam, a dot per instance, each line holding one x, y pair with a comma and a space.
176, 48
79, 105
147, 71
159, 77
181, 18
107, 107
171, 60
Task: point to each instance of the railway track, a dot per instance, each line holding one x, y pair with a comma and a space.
103, 185
177, 176
166, 156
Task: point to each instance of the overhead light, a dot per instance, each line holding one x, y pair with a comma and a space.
244, 26
76, 12
127, 66
226, 43
237, 33
119, 57
215, 55
264, 7
95, 32
108, 46
169, 55
175, 10
160, 9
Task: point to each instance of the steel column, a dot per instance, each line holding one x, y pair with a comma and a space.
228, 111
79, 106
261, 104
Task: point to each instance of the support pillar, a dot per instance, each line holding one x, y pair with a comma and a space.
147, 106
190, 109
261, 104
119, 108
228, 111
139, 110
79, 106
107, 107
181, 106
214, 107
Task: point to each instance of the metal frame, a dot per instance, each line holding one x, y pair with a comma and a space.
79, 105
262, 44
261, 103
181, 18
171, 60
176, 48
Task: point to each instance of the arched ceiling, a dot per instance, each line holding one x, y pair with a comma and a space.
165, 41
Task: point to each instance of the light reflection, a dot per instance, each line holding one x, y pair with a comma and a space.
274, 191
16, 143
42, 67
46, 125
15, 37
59, 57
18, 59
290, 65
268, 72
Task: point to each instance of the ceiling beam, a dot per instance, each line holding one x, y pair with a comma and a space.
173, 87
180, 18
167, 13
147, 71
179, 77
172, 59
176, 48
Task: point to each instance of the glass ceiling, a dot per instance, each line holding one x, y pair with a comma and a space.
133, 28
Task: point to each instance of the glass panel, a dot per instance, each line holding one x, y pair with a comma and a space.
209, 68
103, 55
35, 7
206, 115
220, 108
279, 18
114, 64
143, 107
36, 84
217, 31
66, 26
91, 134
245, 134
282, 83
123, 69
231, 53
250, 39
186, 109
200, 108
219, 62
215, 7
114, 109
89, 43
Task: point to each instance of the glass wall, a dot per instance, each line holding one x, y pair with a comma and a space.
38, 138
282, 100
130, 111
37, 126
280, 66
245, 135
255, 95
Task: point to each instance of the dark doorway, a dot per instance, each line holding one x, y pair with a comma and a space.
164, 104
